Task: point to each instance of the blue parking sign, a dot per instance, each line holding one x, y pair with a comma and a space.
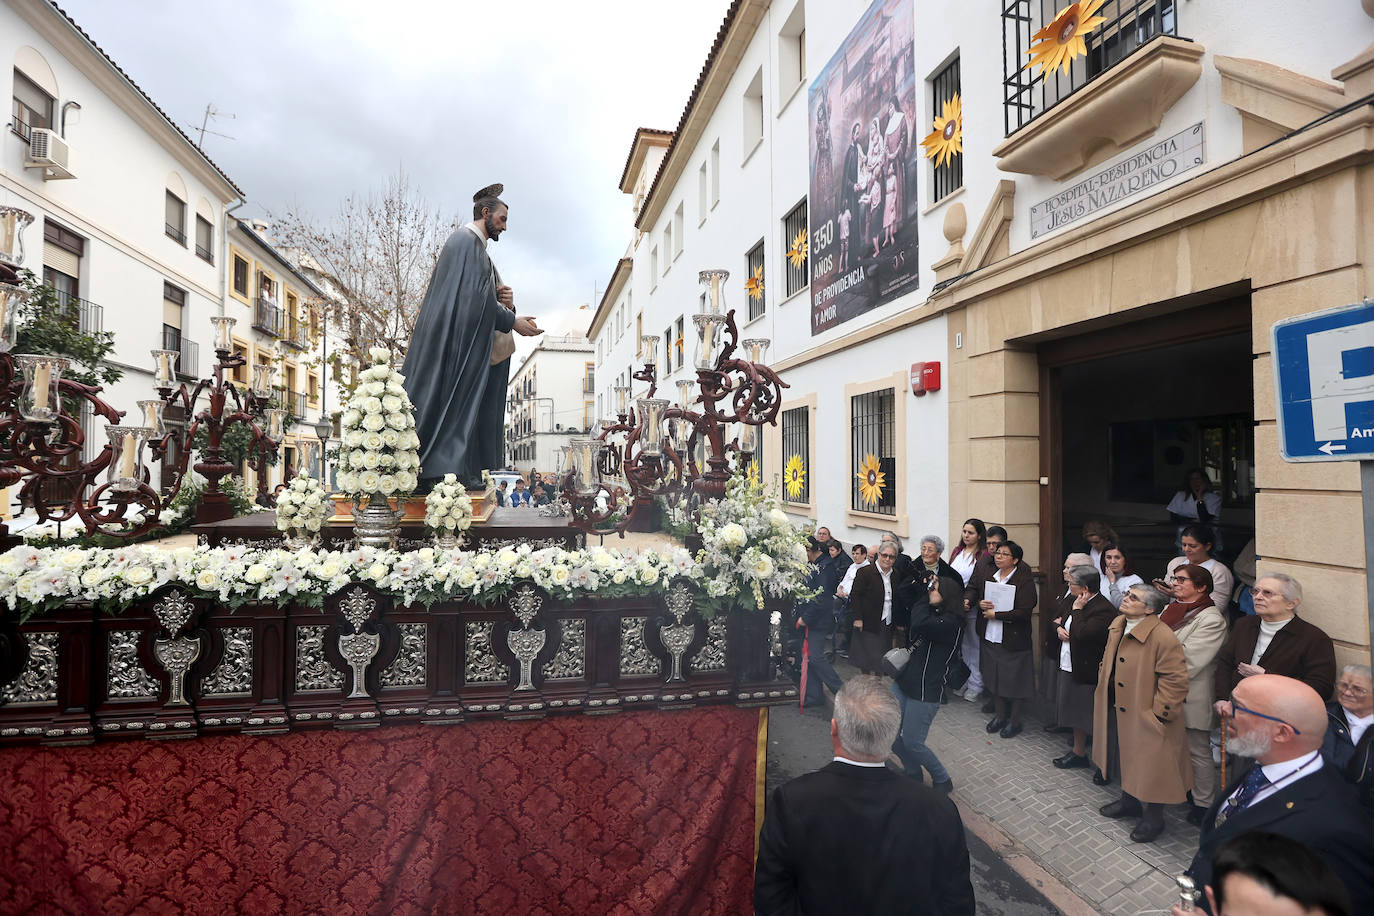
1324, 384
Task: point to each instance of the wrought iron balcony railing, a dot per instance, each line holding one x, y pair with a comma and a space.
267, 316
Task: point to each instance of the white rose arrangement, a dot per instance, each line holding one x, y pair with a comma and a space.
302, 507
749, 546
380, 453
448, 508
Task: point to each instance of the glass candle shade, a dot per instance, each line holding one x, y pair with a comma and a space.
13, 221
622, 399
39, 400
586, 458
262, 381
714, 283
756, 348
275, 417
125, 472
651, 425
12, 299
685, 390
164, 364
748, 438
152, 417
224, 326
648, 345
708, 335
681, 431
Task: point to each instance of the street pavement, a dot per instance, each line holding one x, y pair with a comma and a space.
1037, 842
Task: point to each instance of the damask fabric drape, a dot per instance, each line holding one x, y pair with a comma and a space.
642, 812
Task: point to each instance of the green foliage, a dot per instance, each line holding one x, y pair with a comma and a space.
51, 324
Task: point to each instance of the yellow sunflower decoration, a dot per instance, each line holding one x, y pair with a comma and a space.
794, 476
947, 139
797, 253
754, 285
871, 481
1061, 41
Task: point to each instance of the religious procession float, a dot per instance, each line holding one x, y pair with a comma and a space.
386, 702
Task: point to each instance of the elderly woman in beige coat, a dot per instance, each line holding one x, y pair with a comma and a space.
1201, 629
1138, 714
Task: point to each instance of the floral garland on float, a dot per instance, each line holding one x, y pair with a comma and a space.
301, 511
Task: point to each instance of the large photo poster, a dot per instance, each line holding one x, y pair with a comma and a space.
863, 203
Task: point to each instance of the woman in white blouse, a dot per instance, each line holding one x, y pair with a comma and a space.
1117, 576
1197, 549
972, 547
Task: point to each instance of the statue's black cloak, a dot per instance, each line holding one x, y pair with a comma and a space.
459, 396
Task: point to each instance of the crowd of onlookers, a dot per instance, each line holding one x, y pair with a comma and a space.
1176, 688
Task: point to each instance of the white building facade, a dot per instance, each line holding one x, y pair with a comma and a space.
550, 400
1098, 268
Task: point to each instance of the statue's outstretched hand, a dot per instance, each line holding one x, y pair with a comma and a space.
525, 327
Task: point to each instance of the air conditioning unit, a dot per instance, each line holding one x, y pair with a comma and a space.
49, 152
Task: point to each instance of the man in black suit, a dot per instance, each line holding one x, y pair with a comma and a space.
855, 837
1280, 722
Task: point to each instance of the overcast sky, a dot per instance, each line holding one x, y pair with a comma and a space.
329, 97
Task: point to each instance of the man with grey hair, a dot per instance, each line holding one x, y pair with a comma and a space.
1275, 641
856, 837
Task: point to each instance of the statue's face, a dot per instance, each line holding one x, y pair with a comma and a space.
495, 223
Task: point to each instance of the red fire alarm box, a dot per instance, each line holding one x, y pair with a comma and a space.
917, 381
930, 376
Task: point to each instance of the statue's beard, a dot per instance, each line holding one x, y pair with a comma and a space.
493, 232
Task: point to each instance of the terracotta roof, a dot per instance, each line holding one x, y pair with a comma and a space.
692, 99
630, 157
146, 97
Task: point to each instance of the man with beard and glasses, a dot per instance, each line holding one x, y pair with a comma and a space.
458, 364
1280, 722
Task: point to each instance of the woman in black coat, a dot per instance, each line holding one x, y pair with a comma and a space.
871, 602
1082, 638
1005, 642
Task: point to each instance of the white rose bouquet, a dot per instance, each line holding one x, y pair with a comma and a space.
302, 507
448, 509
380, 451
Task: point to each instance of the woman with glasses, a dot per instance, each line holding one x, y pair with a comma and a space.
1201, 629
1004, 650
870, 608
1117, 574
1349, 742
1138, 709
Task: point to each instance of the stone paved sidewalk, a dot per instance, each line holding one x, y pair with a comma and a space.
1053, 813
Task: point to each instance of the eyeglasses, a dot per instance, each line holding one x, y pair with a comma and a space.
1265, 592
887, 556
1352, 689
1259, 715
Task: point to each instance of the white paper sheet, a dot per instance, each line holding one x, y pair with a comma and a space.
1002, 596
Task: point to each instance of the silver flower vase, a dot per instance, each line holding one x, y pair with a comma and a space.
300, 539
447, 539
377, 525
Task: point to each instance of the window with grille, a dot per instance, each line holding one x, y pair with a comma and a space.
949, 177
1027, 93
176, 218
872, 437
678, 344
205, 239
796, 435
32, 106
754, 273
794, 242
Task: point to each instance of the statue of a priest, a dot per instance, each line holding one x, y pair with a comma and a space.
458, 364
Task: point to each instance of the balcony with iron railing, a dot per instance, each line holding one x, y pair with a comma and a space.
295, 402
296, 334
90, 318
175, 233
589, 384
188, 352
1061, 119
267, 316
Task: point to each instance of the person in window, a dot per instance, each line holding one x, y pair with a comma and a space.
1348, 746
1117, 574
1197, 503
1005, 651
1138, 730
1201, 630
1099, 536
1082, 637
1197, 549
